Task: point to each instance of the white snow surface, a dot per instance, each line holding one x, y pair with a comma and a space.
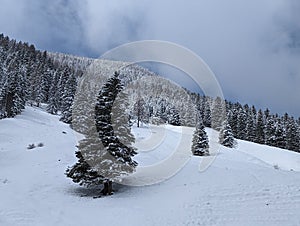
250, 185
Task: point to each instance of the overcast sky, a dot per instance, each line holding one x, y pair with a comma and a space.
253, 47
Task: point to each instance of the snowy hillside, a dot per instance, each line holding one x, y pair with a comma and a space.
250, 185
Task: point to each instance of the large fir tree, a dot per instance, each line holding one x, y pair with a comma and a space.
106, 148
113, 127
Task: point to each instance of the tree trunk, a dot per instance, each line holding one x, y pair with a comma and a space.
110, 191
107, 190
9, 104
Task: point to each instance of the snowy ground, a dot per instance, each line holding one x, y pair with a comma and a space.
241, 187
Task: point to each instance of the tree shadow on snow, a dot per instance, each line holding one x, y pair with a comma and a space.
90, 192
95, 191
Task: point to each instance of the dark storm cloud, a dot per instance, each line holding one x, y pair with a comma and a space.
252, 46
83, 27
50, 25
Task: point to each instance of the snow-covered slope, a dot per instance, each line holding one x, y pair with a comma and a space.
241, 187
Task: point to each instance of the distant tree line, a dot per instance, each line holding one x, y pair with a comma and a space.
29, 76
247, 123
33, 77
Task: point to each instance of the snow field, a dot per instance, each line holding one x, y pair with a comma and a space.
240, 187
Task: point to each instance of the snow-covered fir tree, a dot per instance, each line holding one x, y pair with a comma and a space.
260, 128
280, 135
64, 75
242, 124
226, 137
173, 117
292, 135
200, 144
67, 99
105, 154
232, 116
188, 113
113, 127
218, 113
139, 110
251, 126
270, 131
53, 106
206, 112
161, 110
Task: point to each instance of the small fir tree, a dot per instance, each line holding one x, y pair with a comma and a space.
226, 137
260, 128
139, 110
200, 144
218, 113
173, 117
292, 135
67, 100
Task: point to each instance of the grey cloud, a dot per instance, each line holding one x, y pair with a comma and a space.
49, 25
288, 24
107, 24
86, 27
252, 46
243, 42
